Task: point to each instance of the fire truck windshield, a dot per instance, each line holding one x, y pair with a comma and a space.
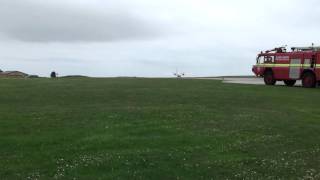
265, 59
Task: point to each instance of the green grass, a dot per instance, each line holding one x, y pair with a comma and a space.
157, 129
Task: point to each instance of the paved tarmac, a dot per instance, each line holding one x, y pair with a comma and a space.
253, 80
247, 80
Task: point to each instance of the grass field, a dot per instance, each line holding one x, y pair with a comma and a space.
157, 129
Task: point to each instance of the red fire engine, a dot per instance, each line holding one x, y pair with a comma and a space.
302, 63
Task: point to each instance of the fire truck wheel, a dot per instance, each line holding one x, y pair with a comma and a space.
309, 80
290, 82
269, 79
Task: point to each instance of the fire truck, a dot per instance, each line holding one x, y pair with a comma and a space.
301, 63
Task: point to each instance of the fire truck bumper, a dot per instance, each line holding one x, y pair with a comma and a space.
257, 70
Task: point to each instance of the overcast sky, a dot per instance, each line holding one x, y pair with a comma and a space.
149, 37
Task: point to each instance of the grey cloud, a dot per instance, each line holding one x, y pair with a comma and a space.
63, 60
39, 22
188, 35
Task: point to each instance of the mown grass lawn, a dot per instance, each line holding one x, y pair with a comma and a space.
157, 129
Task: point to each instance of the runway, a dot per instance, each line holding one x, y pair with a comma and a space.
246, 80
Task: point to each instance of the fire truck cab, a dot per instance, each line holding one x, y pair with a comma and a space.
302, 63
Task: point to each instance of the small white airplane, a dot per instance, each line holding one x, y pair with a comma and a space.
178, 75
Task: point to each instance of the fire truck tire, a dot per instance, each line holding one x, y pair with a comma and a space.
289, 82
269, 79
309, 80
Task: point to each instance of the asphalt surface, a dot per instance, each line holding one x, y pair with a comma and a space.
247, 80
253, 80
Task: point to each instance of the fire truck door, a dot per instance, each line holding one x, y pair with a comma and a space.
295, 66
317, 66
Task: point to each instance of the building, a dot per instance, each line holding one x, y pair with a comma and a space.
13, 74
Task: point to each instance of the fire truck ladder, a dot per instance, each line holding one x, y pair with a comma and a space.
312, 48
